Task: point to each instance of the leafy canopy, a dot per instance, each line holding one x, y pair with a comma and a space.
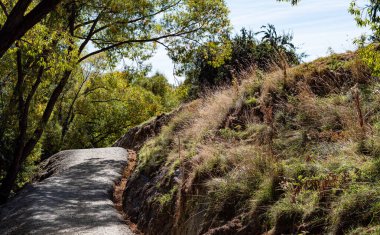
42, 74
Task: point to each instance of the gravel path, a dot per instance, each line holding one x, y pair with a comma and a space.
73, 199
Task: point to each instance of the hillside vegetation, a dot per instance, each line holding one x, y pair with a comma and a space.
268, 154
252, 141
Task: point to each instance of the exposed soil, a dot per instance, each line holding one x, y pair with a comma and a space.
119, 189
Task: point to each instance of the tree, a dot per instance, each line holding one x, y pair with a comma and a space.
83, 29
107, 106
277, 41
160, 87
18, 21
97, 107
247, 51
24, 14
281, 44
367, 16
37, 63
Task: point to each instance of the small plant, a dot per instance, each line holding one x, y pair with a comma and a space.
369, 147
289, 213
165, 199
358, 206
356, 96
251, 101
267, 110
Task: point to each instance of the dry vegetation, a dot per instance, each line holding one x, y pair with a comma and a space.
263, 156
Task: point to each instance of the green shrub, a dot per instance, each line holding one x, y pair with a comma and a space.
358, 206
251, 102
165, 199
369, 147
288, 213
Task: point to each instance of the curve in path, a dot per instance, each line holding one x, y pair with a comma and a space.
74, 197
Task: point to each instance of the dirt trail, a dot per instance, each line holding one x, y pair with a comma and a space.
74, 198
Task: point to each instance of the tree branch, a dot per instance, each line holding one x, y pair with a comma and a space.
46, 115
89, 91
34, 89
17, 23
106, 101
134, 41
83, 24
137, 19
90, 34
70, 115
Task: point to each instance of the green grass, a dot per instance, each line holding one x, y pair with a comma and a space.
315, 173
165, 199
358, 206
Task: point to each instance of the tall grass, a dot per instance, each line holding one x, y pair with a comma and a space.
290, 159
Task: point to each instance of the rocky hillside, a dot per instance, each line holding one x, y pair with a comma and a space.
282, 155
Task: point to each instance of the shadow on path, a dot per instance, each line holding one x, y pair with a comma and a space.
75, 199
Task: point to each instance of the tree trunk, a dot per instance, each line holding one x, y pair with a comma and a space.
23, 150
10, 179
70, 114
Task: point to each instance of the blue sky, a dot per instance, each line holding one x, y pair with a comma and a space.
316, 25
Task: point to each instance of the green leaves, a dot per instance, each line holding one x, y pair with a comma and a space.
370, 55
218, 63
367, 16
49, 76
109, 105
132, 29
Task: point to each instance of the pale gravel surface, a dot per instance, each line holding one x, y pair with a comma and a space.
75, 199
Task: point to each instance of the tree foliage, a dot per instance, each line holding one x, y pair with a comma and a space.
43, 72
247, 51
367, 15
18, 17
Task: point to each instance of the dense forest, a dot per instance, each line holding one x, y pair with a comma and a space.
73, 75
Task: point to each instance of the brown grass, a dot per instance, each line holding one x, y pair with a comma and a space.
302, 136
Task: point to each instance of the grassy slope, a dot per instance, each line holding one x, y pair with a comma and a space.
267, 157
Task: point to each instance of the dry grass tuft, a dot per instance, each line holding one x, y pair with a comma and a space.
272, 156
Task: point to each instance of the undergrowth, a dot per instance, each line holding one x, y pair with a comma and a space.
289, 159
